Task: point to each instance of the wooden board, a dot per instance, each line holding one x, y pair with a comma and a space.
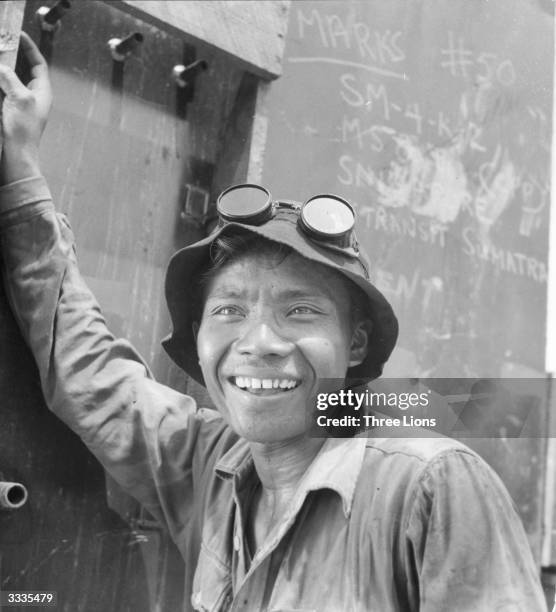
11, 16
250, 31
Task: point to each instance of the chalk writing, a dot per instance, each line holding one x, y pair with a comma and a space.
461, 61
502, 259
348, 63
380, 219
337, 32
457, 59
368, 95
351, 130
398, 286
535, 195
430, 183
495, 70
420, 169
413, 112
497, 184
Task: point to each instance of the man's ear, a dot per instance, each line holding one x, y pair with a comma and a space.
195, 327
360, 342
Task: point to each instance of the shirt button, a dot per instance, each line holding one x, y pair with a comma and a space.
236, 543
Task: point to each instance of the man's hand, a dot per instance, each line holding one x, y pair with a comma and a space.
24, 115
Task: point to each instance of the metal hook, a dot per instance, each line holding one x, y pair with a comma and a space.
123, 48
49, 17
184, 75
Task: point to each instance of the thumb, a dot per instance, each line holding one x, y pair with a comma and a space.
10, 83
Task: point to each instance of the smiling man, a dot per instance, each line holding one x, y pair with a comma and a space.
275, 303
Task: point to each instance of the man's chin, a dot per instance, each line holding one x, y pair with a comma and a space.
267, 433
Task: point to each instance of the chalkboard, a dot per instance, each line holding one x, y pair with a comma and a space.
435, 119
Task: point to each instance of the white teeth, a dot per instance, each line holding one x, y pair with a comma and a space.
264, 383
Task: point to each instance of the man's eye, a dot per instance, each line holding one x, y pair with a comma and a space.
303, 310
227, 311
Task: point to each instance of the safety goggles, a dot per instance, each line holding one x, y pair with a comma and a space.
326, 219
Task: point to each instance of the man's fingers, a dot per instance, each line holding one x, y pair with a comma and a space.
38, 89
37, 63
32, 52
10, 83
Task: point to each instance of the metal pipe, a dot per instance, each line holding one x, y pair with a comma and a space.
183, 75
50, 17
12, 495
122, 48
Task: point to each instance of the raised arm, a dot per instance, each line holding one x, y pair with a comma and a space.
144, 433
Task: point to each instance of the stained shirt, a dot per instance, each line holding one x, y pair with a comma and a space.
376, 524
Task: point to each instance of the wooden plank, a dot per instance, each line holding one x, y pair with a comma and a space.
235, 144
11, 16
252, 31
259, 135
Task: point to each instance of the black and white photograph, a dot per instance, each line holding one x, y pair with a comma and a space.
278, 306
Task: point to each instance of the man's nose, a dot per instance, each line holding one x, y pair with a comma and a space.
262, 340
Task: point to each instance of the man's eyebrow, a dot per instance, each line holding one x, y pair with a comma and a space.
296, 294
227, 292
231, 292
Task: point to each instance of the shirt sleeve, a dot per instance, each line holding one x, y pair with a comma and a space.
145, 434
469, 550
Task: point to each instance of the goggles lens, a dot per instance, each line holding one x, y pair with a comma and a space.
328, 216
244, 202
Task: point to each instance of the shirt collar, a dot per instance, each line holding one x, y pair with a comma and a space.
337, 466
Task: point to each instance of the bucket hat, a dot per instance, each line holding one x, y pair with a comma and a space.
189, 263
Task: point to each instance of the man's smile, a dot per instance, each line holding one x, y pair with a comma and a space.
264, 386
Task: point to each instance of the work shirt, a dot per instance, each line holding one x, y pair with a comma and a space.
376, 524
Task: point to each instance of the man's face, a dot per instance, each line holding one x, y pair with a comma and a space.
270, 331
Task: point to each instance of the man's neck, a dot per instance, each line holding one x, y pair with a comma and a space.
280, 466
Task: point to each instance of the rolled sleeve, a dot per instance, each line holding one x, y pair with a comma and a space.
24, 199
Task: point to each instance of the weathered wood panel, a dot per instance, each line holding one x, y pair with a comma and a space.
11, 16
251, 31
